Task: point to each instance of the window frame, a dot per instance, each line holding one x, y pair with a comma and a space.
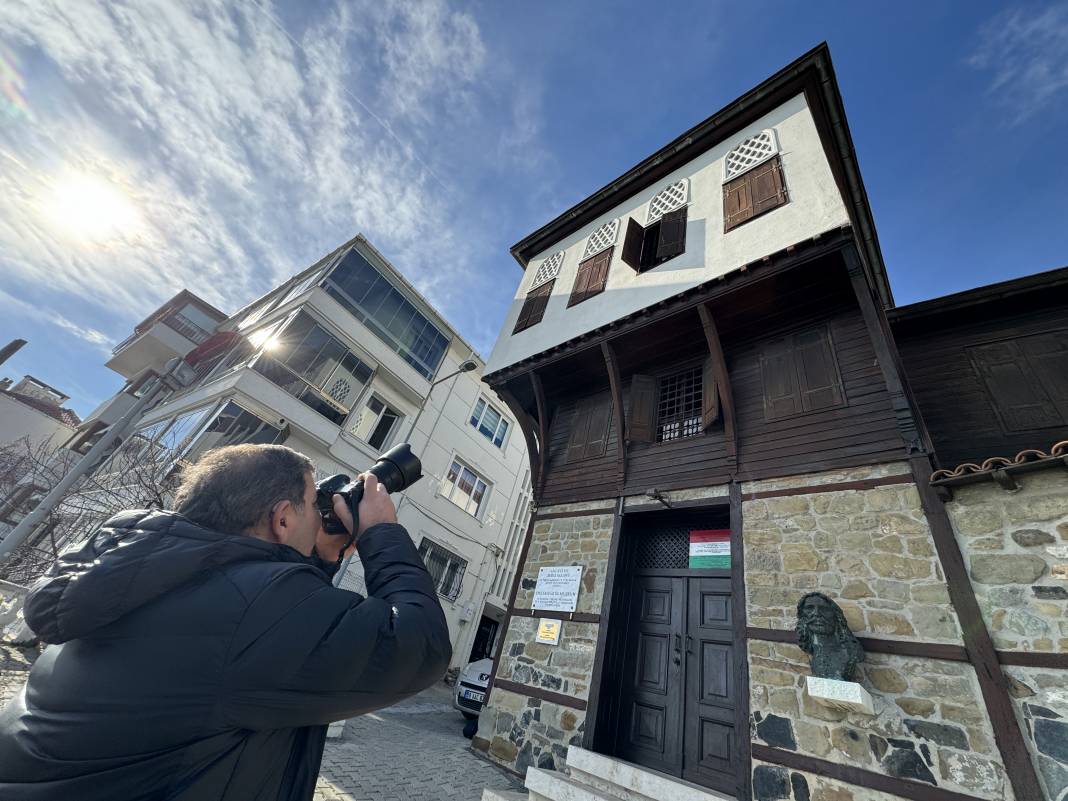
648, 256
451, 557
743, 183
476, 423
591, 278
802, 390
690, 371
446, 487
357, 413
535, 303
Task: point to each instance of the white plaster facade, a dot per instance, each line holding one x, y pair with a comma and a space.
18, 420
815, 206
489, 541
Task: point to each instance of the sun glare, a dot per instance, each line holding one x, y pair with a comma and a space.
90, 208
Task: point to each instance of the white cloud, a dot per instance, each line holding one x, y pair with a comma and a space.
14, 305
1027, 54
245, 151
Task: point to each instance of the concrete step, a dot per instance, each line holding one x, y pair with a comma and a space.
503, 795
624, 781
548, 785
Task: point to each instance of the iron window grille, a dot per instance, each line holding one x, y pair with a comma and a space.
445, 567
678, 410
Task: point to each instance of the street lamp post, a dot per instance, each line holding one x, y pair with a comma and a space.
178, 375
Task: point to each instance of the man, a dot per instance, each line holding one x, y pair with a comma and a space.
199, 654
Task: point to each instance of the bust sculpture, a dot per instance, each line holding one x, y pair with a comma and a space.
823, 634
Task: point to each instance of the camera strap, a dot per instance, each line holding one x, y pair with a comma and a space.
355, 512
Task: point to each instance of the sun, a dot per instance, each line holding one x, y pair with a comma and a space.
89, 208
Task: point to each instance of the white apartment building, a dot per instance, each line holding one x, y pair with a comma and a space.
341, 362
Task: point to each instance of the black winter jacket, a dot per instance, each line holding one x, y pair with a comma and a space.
194, 666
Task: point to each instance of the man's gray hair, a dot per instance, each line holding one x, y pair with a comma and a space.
233, 489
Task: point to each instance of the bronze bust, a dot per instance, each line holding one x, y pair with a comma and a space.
823, 634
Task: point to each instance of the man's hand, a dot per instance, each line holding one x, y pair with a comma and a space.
375, 507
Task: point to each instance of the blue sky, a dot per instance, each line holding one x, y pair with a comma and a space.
154, 145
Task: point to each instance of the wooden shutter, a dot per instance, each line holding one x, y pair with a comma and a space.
737, 202
533, 307
672, 238
632, 245
641, 426
1048, 356
1018, 396
591, 277
580, 291
782, 396
580, 429
820, 384
597, 437
709, 395
766, 186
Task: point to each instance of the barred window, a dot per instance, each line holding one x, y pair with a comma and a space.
678, 410
445, 568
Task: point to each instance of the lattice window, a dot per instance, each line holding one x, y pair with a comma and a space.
549, 269
678, 410
603, 237
753, 151
669, 199
663, 549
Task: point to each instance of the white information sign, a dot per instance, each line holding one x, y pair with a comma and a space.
557, 589
548, 631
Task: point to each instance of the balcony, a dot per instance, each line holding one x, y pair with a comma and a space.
155, 342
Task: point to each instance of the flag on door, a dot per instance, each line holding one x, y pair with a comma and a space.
710, 548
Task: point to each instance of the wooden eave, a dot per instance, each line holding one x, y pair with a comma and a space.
811, 74
787, 258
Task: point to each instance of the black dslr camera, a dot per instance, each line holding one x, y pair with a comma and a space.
398, 468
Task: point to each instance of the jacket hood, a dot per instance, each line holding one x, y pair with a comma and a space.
136, 557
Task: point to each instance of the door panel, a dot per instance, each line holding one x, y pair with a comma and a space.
710, 745
650, 731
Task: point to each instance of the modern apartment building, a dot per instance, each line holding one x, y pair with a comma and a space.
341, 362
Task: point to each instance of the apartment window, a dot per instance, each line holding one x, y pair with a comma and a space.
139, 385
1026, 379
23, 499
754, 180
371, 298
649, 246
375, 423
234, 425
489, 422
591, 278
445, 568
800, 374
588, 437
465, 488
313, 366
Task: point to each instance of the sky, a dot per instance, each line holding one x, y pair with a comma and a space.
155, 145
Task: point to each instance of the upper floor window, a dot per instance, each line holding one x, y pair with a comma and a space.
490, 422
1026, 379
754, 181
590, 422
370, 297
541, 289
233, 425
664, 235
445, 567
800, 374
679, 404
678, 408
313, 366
376, 423
465, 488
591, 278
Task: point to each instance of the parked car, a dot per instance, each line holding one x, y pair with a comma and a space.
471, 688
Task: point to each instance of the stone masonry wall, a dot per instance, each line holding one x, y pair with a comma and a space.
871, 550
1016, 548
1040, 697
516, 730
776, 783
930, 722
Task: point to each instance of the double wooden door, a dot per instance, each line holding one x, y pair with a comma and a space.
678, 697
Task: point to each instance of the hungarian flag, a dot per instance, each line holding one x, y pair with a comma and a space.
710, 548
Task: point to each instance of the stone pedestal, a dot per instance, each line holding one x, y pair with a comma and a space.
845, 695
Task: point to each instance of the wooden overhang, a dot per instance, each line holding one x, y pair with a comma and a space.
813, 75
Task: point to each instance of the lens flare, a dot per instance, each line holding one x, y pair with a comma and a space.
89, 208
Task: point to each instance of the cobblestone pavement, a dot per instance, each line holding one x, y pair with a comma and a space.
414, 751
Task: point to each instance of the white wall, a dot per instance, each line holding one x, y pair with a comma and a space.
815, 206
17, 420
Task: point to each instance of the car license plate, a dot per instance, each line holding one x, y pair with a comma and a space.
471, 695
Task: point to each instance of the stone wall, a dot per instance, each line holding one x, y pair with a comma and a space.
930, 723
871, 550
776, 783
1016, 548
1040, 697
516, 730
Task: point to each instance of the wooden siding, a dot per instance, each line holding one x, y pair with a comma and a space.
953, 399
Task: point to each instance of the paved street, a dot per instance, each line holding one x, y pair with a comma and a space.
414, 751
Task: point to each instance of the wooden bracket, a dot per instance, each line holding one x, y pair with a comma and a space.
726, 396
617, 407
543, 429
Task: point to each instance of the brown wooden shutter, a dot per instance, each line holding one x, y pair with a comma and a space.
580, 428
534, 306
641, 426
782, 396
1048, 357
1018, 396
817, 370
767, 188
599, 277
672, 239
737, 202
597, 437
580, 291
632, 245
709, 395
591, 277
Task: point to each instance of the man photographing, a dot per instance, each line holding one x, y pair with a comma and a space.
199, 654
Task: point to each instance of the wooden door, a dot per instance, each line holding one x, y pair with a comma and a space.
651, 712
710, 745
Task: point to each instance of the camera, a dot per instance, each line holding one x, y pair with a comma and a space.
397, 469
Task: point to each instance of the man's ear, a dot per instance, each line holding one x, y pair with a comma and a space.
282, 521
